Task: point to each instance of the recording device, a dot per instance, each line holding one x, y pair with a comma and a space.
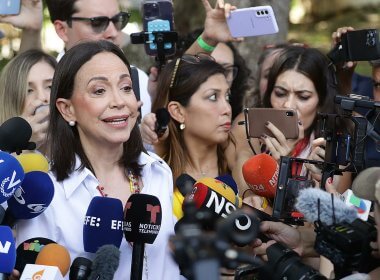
284, 263
288, 186
285, 120
261, 172
103, 223
36, 271
54, 254
162, 121
10, 7
11, 176
253, 21
105, 263
229, 181
80, 269
143, 215
7, 250
28, 251
15, 134
158, 36
358, 45
33, 162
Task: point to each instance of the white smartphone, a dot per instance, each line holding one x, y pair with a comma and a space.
10, 7
253, 21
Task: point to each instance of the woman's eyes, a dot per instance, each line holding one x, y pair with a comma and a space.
127, 88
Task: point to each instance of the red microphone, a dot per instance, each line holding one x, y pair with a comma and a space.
260, 172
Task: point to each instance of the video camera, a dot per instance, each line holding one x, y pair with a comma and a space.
358, 45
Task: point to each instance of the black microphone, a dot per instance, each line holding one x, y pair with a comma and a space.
163, 118
80, 269
2, 214
142, 218
15, 134
105, 263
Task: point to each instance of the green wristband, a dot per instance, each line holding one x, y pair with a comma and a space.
206, 47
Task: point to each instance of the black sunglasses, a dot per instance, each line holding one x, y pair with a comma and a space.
100, 24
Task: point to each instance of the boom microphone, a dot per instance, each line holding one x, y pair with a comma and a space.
330, 211
80, 269
11, 176
260, 172
7, 250
15, 134
103, 223
143, 215
163, 118
32, 197
105, 263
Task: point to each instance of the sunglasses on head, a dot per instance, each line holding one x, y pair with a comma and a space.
192, 59
100, 24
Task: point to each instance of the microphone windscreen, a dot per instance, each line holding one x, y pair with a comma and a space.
163, 117
15, 134
33, 162
143, 215
185, 183
55, 255
229, 181
11, 176
367, 184
28, 251
307, 204
103, 223
105, 263
80, 269
260, 172
7, 250
33, 197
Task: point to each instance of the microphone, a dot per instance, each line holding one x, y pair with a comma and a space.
28, 251
103, 223
185, 183
52, 262
15, 134
163, 118
142, 218
328, 212
7, 250
229, 181
2, 214
215, 196
105, 263
54, 254
367, 184
32, 198
11, 176
33, 162
81, 268
260, 172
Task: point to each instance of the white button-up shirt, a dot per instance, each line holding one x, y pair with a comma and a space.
63, 220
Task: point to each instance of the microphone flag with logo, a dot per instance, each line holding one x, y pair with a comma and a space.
33, 197
11, 176
28, 251
7, 250
103, 223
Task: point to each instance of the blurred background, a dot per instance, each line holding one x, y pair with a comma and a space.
306, 21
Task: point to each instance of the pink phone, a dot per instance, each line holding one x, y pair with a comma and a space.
253, 21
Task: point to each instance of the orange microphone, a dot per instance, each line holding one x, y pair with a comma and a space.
260, 172
55, 255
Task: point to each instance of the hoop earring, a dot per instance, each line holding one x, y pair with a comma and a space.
71, 123
182, 126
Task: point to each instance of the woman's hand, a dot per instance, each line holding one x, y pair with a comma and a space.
278, 145
38, 120
147, 130
317, 154
30, 16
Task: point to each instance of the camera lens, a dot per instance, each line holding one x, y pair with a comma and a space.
266, 12
289, 114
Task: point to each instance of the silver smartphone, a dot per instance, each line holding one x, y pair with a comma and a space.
253, 21
10, 7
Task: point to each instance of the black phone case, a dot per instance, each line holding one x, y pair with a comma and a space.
361, 45
158, 16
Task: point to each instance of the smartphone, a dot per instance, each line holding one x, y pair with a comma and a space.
253, 21
158, 16
285, 120
10, 7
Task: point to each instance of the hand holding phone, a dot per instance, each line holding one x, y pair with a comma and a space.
253, 21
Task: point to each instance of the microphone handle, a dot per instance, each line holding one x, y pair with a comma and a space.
137, 260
